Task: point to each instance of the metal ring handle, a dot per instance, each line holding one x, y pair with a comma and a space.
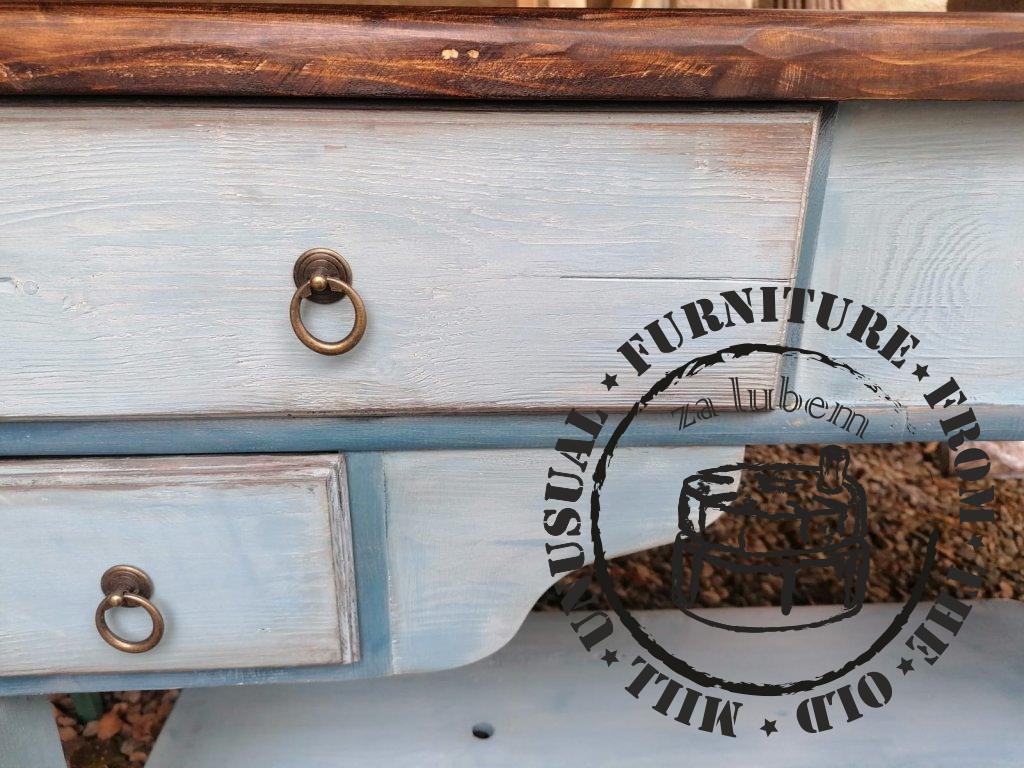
311, 341
129, 600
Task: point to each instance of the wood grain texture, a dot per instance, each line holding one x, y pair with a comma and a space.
552, 703
503, 255
322, 50
923, 219
449, 558
249, 557
466, 541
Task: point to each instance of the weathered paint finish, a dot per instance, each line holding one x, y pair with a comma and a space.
250, 558
923, 219
449, 557
551, 703
918, 218
403, 433
145, 267
466, 542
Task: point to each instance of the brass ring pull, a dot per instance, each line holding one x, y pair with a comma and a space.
126, 586
323, 276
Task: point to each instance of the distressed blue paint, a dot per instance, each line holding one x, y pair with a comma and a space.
368, 515
551, 704
479, 245
922, 220
402, 433
811, 223
419, 612
813, 207
368, 521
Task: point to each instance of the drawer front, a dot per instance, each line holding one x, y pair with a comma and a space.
250, 560
503, 255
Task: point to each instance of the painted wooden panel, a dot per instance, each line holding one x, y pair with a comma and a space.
550, 703
923, 219
482, 432
250, 559
28, 735
466, 541
503, 255
449, 558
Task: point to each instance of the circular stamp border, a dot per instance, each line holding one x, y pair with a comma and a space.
970, 464
630, 622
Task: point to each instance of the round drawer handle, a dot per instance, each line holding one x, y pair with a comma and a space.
126, 586
323, 276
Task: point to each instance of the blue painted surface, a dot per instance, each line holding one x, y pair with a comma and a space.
552, 704
368, 521
28, 736
360, 438
816, 191
180, 436
367, 487
923, 219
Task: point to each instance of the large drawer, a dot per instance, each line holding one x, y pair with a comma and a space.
503, 255
250, 559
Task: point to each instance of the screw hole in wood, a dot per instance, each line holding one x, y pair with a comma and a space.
483, 730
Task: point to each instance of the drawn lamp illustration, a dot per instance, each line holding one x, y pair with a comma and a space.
824, 526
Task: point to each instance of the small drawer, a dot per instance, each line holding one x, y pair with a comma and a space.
502, 255
249, 557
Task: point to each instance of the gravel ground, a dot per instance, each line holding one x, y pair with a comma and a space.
907, 495
122, 737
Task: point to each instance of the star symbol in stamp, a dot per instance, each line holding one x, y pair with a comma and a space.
975, 541
769, 727
921, 371
905, 666
610, 381
610, 657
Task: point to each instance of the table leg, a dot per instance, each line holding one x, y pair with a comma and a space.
28, 734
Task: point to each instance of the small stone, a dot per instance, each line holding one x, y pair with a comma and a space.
143, 727
109, 725
67, 733
710, 598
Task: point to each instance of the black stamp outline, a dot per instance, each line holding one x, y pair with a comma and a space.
848, 555
566, 505
681, 667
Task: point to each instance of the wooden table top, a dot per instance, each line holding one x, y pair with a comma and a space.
175, 49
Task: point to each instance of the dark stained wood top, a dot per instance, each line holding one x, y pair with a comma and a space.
487, 53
